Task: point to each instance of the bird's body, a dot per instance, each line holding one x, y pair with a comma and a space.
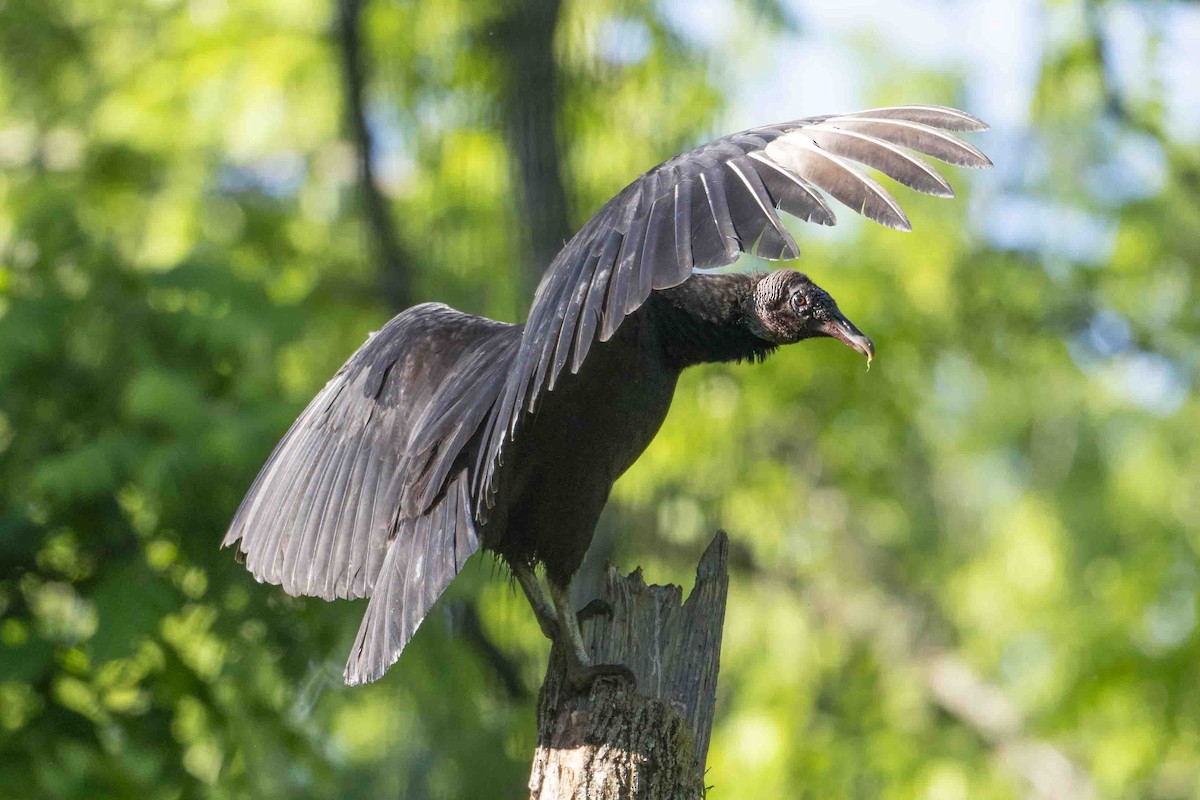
556, 478
447, 431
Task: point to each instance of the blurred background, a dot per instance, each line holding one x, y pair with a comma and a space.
971, 573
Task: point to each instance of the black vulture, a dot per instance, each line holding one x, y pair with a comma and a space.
446, 431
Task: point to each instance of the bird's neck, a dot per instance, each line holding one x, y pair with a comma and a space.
703, 320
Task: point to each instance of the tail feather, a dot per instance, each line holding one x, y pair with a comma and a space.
427, 552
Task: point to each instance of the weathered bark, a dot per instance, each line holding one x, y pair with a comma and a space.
616, 744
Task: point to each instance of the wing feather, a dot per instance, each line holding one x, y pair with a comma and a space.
917, 136
840, 178
660, 234
683, 235
791, 193
593, 310
709, 245
718, 205
618, 288
569, 329
427, 553
331, 554
949, 119
897, 164
297, 558
756, 220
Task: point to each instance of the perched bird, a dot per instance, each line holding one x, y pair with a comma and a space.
446, 431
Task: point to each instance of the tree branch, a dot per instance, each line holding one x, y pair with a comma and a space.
524, 44
471, 628
394, 265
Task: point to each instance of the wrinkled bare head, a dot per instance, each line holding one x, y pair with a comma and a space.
788, 307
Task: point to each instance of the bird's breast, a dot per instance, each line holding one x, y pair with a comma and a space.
597, 423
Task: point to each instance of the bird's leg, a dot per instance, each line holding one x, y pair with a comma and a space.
569, 624
547, 619
581, 673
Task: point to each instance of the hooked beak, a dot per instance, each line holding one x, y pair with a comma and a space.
845, 332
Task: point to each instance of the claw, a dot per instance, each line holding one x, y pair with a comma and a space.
580, 672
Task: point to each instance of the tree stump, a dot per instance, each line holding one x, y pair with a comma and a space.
613, 743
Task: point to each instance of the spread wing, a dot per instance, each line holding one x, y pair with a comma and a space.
320, 514
702, 209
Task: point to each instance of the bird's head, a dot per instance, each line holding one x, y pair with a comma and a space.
788, 307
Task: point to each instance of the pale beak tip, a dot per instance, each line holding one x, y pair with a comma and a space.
844, 330
862, 344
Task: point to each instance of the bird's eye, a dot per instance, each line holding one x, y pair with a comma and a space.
799, 301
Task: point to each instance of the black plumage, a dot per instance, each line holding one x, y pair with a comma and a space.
447, 431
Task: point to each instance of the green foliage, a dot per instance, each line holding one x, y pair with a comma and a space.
1009, 495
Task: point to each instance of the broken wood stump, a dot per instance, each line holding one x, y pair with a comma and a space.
617, 743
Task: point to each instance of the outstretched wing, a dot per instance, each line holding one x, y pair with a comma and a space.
319, 516
702, 209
